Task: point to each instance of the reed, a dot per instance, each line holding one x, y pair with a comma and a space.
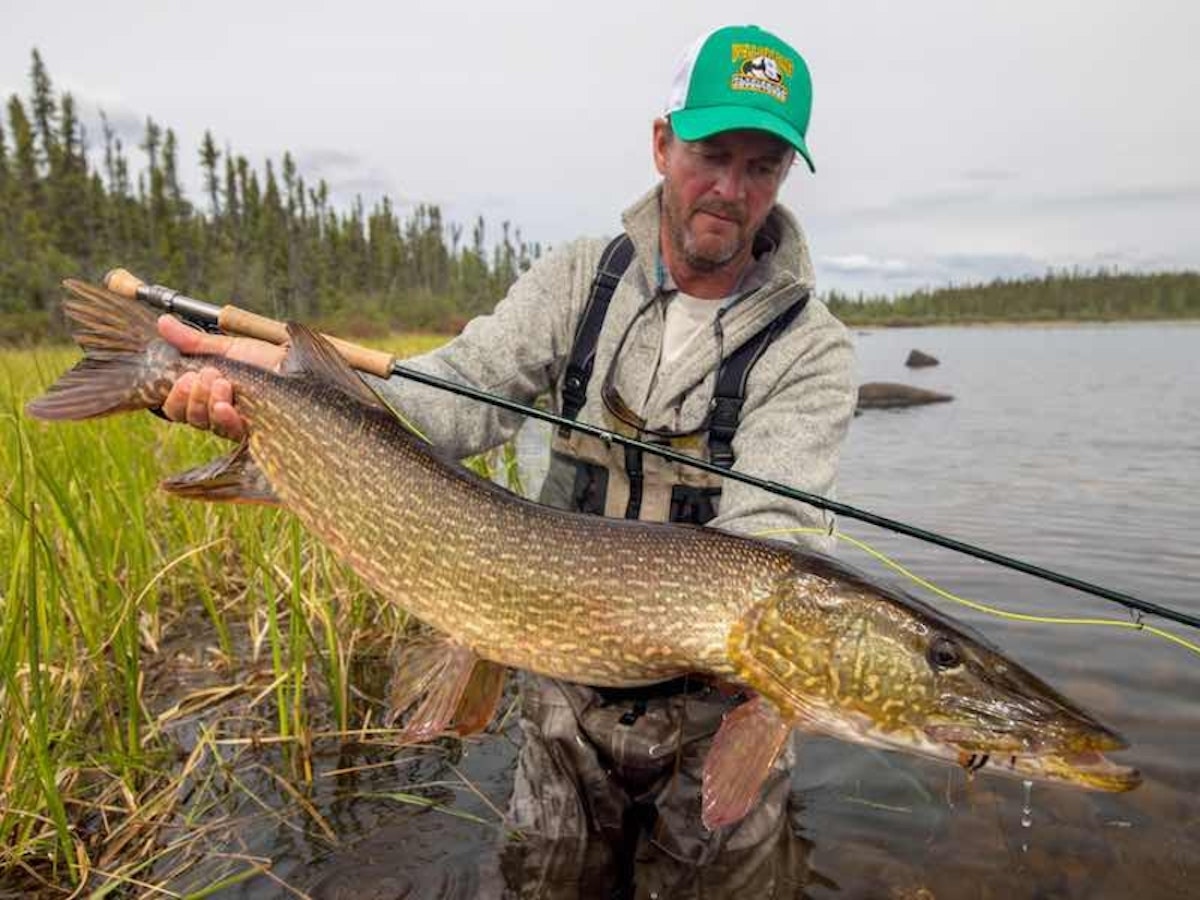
137, 634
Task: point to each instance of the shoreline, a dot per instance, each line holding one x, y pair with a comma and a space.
1015, 323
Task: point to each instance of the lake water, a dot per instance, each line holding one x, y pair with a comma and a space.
1076, 448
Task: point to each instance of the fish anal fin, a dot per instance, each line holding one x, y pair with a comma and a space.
431, 677
312, 354
235, 478
751, 736
478, 703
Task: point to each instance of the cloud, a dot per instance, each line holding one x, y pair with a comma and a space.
989, 175
973, 200
1123, 198
862, 264
324, 159
349, 175
974, 267
126, 123
860, 272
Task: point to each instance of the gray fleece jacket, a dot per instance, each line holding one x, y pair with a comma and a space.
799, 397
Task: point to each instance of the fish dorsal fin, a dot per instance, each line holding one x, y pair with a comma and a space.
310, 353
743, 751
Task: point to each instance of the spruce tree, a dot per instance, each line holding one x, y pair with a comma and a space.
45, 112
209, 157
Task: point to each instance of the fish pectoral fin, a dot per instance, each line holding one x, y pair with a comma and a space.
477, 705
743, 751
235, 478
436, 678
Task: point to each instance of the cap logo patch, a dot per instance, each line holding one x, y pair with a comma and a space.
761, 69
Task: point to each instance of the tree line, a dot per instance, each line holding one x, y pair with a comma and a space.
268, 240
263, 238
1082, 296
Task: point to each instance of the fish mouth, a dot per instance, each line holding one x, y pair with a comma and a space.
1076, 758
1082, 764
1089, 769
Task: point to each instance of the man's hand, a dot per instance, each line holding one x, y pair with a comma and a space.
204, 399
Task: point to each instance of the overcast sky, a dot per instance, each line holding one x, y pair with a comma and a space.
954, 141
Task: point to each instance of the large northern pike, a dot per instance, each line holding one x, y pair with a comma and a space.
507, 582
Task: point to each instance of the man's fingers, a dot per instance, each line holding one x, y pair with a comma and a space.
197, 407
243, 349
205, 399
221, 391
226, 422
225, 419
176, 405
190, 340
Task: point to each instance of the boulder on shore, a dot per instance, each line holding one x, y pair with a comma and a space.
889, 395
918, 359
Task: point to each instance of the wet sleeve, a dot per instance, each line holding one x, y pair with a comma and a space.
518, 351
793, 435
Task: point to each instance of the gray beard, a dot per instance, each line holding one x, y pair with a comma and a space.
685, 247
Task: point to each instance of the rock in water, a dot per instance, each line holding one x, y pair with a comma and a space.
888, 395
917, 360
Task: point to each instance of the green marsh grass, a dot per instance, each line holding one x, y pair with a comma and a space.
148, 645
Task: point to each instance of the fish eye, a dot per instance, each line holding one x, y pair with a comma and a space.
943, 654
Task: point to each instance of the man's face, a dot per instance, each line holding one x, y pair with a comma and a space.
717, 192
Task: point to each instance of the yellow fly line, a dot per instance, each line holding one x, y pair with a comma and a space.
980, 607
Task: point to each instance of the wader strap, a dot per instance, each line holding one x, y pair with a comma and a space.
613, 263
730, 392
637, 481
693, 504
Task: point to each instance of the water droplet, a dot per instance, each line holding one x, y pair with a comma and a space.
1027, 808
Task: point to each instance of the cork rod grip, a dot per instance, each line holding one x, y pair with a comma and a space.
233, 320
123, 283
239, 321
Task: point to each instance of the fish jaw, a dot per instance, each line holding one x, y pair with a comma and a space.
1084, 765
1091, 771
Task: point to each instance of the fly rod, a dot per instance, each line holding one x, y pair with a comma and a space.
233, 320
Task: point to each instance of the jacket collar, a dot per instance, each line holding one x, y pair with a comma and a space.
787, 278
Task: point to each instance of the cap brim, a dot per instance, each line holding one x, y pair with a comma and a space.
698, 124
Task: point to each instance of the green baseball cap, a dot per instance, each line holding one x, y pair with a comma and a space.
741, 76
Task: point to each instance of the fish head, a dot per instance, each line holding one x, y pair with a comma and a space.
842, 655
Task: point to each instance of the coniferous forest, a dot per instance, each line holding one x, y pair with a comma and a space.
77, 204
266, 238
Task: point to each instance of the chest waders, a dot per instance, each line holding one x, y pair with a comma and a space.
622, 482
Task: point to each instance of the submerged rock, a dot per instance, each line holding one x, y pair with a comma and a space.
889, 395
918, 359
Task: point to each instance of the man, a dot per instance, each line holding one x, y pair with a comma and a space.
707, 339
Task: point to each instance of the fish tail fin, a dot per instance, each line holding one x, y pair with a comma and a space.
125, 365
